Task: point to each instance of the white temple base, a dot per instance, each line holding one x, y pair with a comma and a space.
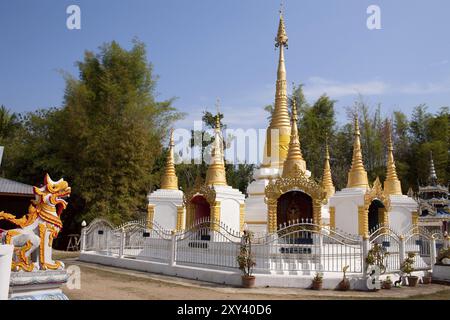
230, 200
39, 285
346, 203
6, 252
402, 208
166, 203
255, 206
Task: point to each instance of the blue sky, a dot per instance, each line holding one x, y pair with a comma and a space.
208, 49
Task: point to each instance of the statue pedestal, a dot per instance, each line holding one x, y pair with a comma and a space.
38, 285
441, 273
6, 252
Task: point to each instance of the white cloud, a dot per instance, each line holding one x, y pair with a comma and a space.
316, 86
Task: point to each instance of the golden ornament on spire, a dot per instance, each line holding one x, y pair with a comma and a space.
294, 161
327, 180
277, 146
215, 175
357, 176
169, 179
392, 184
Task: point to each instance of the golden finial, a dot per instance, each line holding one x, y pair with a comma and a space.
357, 176
282, 38
392, 184
215, 175
327, 180
294, 160
169, 179
275, 153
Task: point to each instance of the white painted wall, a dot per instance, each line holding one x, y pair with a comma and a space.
400, 218
229, 213
346, 216
166, 215
6, 252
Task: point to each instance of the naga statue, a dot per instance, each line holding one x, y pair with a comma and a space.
38, 228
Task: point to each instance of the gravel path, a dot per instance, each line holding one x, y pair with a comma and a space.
102, 282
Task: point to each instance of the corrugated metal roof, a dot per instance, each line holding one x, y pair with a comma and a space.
14, 187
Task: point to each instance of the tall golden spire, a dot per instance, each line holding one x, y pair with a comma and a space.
392, 183
294, 161
169, 179
357, 176
327, 180
276, 151
215, 175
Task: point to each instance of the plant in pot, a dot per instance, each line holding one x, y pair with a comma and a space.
407, 268
444, 256
344, 285
376, 257
317, 281
245, 260
426, 278
387, 283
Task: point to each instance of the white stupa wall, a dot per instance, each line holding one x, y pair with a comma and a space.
166, 203
346, 203
402, 209
230, 200
230, 213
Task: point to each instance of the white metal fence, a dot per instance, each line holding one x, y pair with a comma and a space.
295, 247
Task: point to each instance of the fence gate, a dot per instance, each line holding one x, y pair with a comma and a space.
304, 246
208, 243
389, 243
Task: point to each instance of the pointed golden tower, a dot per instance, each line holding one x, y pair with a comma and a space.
275, 152
216, 170
169, 179
294, 161
327, 180
357, 176
392, 184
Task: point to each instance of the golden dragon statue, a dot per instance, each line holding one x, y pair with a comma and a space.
38, 228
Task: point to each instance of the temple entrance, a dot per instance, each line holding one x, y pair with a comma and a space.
202, 214
202, 209
293, 206
374, 214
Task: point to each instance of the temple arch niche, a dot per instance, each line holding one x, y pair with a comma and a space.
294, 205
376, 214
201, 208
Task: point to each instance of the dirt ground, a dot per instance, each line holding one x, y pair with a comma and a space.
108, 283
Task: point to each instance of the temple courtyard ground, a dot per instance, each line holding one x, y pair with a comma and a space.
108, 283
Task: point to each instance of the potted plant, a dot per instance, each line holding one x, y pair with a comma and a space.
245, 260
317, 281
376, 257
387, 284
444, 256
407, 268
344, 285
426, 279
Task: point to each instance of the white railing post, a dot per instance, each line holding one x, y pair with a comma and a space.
173, 249
401, 249
446, 241
122, 243
83, 237
432, 251
365, 243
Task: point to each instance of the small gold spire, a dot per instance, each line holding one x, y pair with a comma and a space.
169, 179
280, 121
215, 175
327, 180
294, 161
357, 176
392, 184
